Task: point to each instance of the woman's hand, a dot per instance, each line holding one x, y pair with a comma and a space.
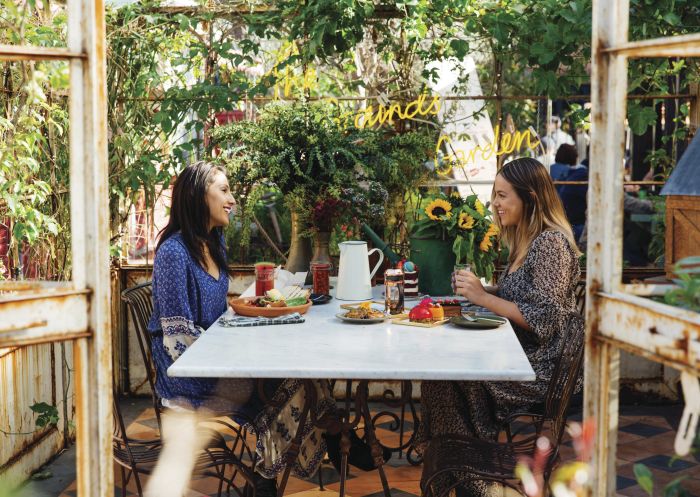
469, 286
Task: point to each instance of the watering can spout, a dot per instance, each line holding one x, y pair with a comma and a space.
381, 245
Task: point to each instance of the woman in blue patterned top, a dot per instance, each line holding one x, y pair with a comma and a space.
190, 284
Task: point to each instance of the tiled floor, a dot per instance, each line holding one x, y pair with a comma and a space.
646, 435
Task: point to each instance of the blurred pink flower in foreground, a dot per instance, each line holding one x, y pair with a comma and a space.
570, 479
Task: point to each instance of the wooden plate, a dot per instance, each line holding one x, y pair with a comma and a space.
241, 308
407, 322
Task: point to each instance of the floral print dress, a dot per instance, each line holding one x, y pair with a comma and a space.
543, 290
186, 301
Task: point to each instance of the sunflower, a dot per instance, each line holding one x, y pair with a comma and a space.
439, 210
466, 222
486, 242
479, 207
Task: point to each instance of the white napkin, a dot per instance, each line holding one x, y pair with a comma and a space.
283, 278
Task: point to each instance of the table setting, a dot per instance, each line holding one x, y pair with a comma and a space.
373, 343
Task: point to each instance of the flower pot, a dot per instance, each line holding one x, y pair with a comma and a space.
299, 249
435, 261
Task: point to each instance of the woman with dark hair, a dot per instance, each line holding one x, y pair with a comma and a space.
536, 292
190, 284
565, 158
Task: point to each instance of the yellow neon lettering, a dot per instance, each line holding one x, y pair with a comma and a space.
417, 104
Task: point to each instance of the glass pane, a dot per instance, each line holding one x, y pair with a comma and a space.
39, 24
34, 172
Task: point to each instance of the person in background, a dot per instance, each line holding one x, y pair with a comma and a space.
573, 197
565, 158
536, 293
555, 136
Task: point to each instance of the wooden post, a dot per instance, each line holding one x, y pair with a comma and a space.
90, 244
604, 261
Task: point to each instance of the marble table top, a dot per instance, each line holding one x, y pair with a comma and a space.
326, 347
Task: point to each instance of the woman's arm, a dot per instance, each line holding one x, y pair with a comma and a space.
469, 286
504, 308
172, 295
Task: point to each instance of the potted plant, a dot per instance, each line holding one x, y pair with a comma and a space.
304, 151
452, 229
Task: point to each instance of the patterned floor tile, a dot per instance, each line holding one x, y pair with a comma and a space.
645, 433
643, 429
624, 482
665, 463
395, 492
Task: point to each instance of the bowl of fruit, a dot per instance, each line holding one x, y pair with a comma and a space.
274, 303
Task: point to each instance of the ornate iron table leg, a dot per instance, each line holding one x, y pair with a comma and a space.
398, 423
362, 405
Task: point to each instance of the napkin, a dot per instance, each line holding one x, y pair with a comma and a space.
233, 321
283, 278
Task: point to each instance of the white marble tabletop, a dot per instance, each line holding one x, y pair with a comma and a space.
326, 347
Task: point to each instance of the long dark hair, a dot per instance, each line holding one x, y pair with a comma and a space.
189, 214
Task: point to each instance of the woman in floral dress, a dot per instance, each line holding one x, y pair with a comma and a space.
536, 292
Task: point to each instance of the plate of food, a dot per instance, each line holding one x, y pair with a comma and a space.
274, 303
362, 313
478, 321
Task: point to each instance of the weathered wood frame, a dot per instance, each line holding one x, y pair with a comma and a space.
79, 310
617, 317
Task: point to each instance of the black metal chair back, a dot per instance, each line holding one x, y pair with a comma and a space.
139, 301
566, 376
580, 293
468, 458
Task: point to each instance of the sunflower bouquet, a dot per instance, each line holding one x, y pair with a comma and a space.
467, 222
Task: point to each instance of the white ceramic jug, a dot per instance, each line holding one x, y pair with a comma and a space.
354, 277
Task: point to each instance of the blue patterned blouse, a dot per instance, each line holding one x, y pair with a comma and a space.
186, 301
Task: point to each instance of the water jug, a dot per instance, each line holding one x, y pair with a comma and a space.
354, 276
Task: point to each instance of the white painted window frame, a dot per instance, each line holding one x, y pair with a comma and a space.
39, 312
617, 315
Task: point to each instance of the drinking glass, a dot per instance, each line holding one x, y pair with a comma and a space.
458, 267
264, 277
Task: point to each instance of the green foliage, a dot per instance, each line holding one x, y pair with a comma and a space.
465, 221
644, 478
397, 160
299, 147
33, 146
687, 273
47, 414
327, 27
153, 57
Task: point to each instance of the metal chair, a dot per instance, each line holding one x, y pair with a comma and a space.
580, 293
467, 458
138, 457
139, 301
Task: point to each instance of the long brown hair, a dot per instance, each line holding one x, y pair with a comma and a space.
189, 214
542, 208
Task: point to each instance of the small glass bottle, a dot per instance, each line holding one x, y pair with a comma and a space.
393, 291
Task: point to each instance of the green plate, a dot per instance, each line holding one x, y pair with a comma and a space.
481, 323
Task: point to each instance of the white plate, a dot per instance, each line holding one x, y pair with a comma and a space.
342, 317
